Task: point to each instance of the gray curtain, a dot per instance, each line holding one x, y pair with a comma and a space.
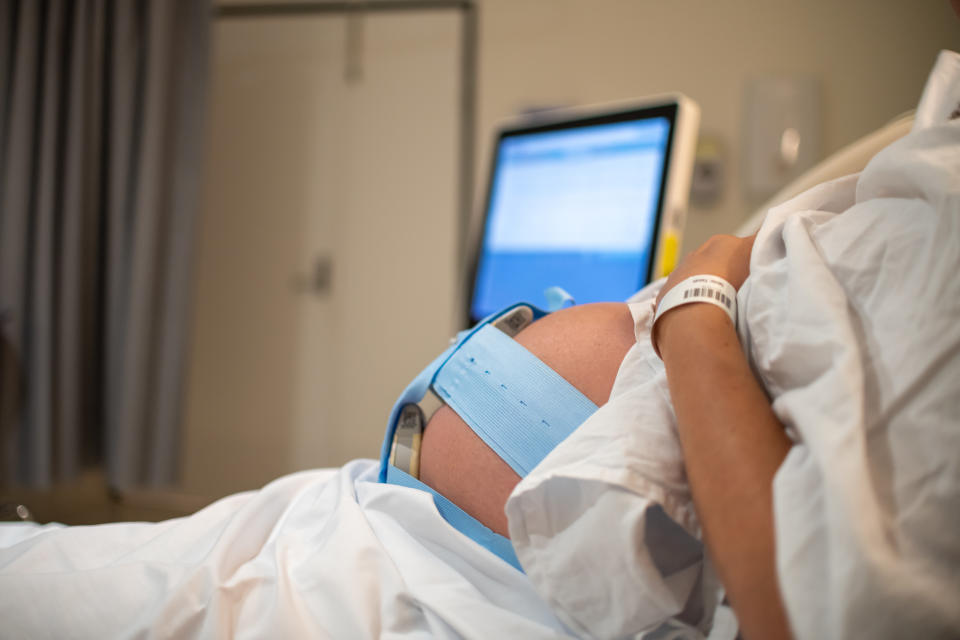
101, 106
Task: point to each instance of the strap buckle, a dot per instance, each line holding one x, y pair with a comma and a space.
414, 416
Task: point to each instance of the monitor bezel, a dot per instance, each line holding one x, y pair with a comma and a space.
565, 121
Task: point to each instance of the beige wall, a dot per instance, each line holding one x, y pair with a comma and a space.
871, 57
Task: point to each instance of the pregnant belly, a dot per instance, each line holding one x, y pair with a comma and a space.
585, 345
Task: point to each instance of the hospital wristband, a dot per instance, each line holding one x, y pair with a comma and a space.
702, 288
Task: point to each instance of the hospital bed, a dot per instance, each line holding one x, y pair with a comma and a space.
321, 553
848, 160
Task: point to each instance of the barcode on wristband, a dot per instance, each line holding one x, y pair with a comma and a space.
701, 288
699, 292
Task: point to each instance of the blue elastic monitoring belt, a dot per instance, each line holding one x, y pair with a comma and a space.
517, 404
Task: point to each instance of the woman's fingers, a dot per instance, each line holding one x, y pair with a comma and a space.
727, 257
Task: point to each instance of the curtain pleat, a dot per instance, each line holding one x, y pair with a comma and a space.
101, 106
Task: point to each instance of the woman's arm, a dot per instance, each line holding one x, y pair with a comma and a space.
732, 441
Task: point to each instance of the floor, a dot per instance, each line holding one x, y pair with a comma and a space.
89, 500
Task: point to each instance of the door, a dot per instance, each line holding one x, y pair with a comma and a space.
326, 262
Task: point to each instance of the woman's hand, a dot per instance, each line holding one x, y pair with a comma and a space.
725, 256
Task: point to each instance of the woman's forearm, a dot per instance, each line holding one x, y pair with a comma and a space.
732, 444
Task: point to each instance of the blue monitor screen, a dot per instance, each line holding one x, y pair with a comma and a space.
575, 208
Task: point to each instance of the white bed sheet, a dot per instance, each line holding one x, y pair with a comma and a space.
316, 554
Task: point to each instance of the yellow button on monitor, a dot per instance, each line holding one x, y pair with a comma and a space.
668, 259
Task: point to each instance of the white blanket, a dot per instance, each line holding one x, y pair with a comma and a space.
851, 319
319, 554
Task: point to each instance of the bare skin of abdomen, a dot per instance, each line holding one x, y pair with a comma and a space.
585, 345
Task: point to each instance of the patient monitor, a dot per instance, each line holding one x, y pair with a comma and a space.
592, 200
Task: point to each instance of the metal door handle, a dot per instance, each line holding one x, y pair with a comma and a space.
319, 281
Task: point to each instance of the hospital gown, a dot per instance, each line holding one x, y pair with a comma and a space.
850, 320
861, 353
